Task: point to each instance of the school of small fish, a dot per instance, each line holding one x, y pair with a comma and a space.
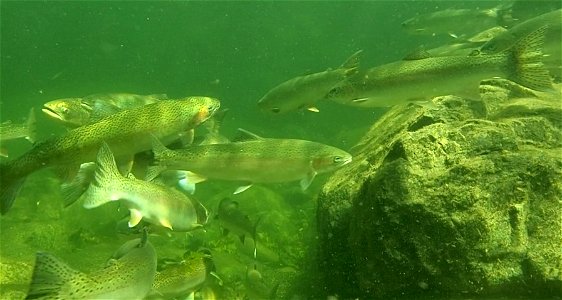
109, 135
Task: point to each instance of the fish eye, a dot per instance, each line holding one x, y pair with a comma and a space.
474, 52
338, 159
276, 109
64, 110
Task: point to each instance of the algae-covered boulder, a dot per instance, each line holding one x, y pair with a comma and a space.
456, 198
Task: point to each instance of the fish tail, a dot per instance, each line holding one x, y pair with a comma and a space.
31, 126
106, 174
525, 61
351, 65
10, 185
50, 275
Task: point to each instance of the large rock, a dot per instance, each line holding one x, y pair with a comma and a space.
454, 198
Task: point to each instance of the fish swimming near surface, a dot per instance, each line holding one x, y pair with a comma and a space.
128, 275
157, 204
183, 278
127, 132
257, 160
27, 129
304, 91
75, 112
455, 22
423, 78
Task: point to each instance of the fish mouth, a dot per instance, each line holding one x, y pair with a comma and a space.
50, 112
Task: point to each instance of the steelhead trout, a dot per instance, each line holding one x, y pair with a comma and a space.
27, 130
425, 78
260, 160
75, 112
128, 275
181, 279
155, 203
126, 132
303, 91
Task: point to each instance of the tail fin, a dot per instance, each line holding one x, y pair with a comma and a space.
351, 65
50, 276
526, 61
99, 191
10, 186
31, 126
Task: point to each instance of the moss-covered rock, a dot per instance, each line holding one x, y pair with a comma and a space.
458, 197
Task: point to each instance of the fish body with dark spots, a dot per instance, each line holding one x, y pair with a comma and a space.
127, 132
128, 276
412, 80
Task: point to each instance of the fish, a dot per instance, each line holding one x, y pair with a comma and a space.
303, 92
127, 132
256, 286
182, 278
422, 79
27, 129
464, 47
455, 22
128, 275
76, 112
70, 112
156, 204
551, 49
232, 219
257, 160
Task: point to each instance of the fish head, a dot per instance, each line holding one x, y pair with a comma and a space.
330, 159
205, 108
271, 104
227, 206
72, 112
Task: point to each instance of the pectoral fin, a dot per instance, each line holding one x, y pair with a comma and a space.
313, 109
188, 180
305, 182
166, 223
135, 218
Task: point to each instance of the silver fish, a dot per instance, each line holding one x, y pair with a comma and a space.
128, 132
27, 130
155, 203
75, 112
304, 91
259, 160
552, 57
454, 22
423, 79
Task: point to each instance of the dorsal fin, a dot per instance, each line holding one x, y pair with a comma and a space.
351, 65
245, 135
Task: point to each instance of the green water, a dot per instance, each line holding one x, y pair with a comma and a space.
234, 51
